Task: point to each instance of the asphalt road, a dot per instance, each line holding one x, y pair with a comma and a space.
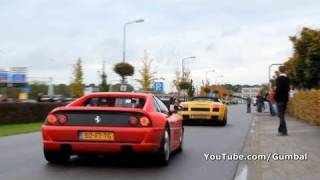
21, 157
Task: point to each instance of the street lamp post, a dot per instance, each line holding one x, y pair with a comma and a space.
124, 36
187, 58
207, 74
269, 71
183, 78
216, 80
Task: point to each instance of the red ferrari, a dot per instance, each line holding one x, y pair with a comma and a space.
112, 123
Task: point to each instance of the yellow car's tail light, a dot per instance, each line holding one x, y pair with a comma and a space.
215, 109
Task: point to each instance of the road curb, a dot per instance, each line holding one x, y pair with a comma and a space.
237, 171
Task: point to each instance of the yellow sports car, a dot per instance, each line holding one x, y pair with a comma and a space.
204, 109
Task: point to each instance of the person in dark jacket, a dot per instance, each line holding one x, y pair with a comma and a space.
248, 105
173, 99
282, 97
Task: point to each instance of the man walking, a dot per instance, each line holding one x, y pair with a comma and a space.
282, 96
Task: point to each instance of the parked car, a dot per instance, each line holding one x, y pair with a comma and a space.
3, 98
28, 101
54, 98
234, 101
58, 98
112, 123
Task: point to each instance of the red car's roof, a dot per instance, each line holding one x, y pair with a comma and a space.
125, 94
148, 96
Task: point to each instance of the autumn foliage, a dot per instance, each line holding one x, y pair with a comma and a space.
303, 68
221, 91
305, 105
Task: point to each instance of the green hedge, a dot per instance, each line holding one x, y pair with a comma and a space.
11, 113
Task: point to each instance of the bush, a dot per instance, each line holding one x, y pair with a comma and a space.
11, 113
305, 106
124, 69
184, 85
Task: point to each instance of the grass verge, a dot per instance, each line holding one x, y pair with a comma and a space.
11, 129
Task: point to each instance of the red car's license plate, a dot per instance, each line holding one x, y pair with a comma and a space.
97, 136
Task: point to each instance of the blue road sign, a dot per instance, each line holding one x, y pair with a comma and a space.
4, 76
15, 77
18, 77
26, 89
158, 87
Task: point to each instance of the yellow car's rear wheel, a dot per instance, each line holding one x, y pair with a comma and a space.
224, 121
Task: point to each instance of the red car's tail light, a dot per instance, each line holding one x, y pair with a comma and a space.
52, 119
133, 121
144, 121
57, 119
63, 119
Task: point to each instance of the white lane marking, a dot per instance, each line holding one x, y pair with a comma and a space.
243, 173
251, 131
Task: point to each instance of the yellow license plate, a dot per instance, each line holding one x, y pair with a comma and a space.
200, 117
97, 136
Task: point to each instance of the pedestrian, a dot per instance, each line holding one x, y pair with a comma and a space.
173, 101
281, 97
273, 100
262, 101
268, 99
259, 103
248, 105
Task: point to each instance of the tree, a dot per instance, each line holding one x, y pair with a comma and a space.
77, 86
205, 89
303, 67
147, 76
123, 69
220, 91
185, 81
62, 89
10, 92
37, 89
103, 87
177, 80
191, 90
184, 85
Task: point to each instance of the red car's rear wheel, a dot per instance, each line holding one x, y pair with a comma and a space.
164, 151
181, 140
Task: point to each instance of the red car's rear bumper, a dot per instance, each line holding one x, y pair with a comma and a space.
140, 140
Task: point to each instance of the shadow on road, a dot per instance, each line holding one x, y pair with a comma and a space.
114, 160
213, 125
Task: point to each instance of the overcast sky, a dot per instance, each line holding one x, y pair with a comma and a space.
236, 38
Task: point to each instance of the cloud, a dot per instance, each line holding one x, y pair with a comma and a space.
238, 39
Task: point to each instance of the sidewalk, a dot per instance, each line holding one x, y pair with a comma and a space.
263, 139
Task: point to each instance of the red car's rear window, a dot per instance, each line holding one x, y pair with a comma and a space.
127, 102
